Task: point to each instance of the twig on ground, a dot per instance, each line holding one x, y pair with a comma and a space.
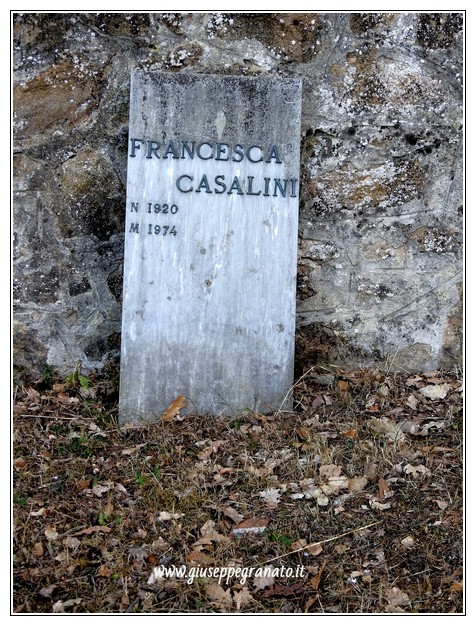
295, 385
318, 543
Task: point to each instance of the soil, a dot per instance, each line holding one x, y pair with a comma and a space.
351, 503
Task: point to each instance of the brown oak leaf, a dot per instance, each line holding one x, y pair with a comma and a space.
174, 409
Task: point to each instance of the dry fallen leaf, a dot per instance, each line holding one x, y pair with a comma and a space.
372, 407
151, 559
93, 529
412, 402
130, 451
98, 490
61, 556
397, 597
408, 541
160, 544
436, 449
413, 381
315, 580
242, 598
304, 433
63, 397
434, 377
47, 591
71, 542
174, 409
334, 485
109, 509
217, 594
300, 543
50, 533
262, 582
94, 428
440, 425
199, 558
371, 470
165, 516
38, 549
270, 496
446, 580
343, 385
232, 514
208, 527
416, 470
435, 392
19, 463
251, 525
390, 429
104, 571
310, 602
357, 484
60, 606
219, 479
329, 471
211, 449
314, 549
384, 490
208, 539
341, 548
375, 504
457, 587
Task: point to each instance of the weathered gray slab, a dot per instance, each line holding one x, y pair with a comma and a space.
211, 243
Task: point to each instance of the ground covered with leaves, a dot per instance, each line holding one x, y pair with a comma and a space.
351, 503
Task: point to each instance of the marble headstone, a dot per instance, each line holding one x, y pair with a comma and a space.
210, 243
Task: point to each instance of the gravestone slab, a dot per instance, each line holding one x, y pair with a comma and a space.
210, 243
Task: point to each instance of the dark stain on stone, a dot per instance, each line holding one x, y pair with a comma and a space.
119, 24
361, 23
38, 287
93, 197
77, 288
305, 287
29, 354
114, 282
438, 30
100, 346
293, 36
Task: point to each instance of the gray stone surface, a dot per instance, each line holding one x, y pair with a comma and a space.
380, 251
210, 243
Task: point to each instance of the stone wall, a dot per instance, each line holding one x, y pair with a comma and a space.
380, 249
